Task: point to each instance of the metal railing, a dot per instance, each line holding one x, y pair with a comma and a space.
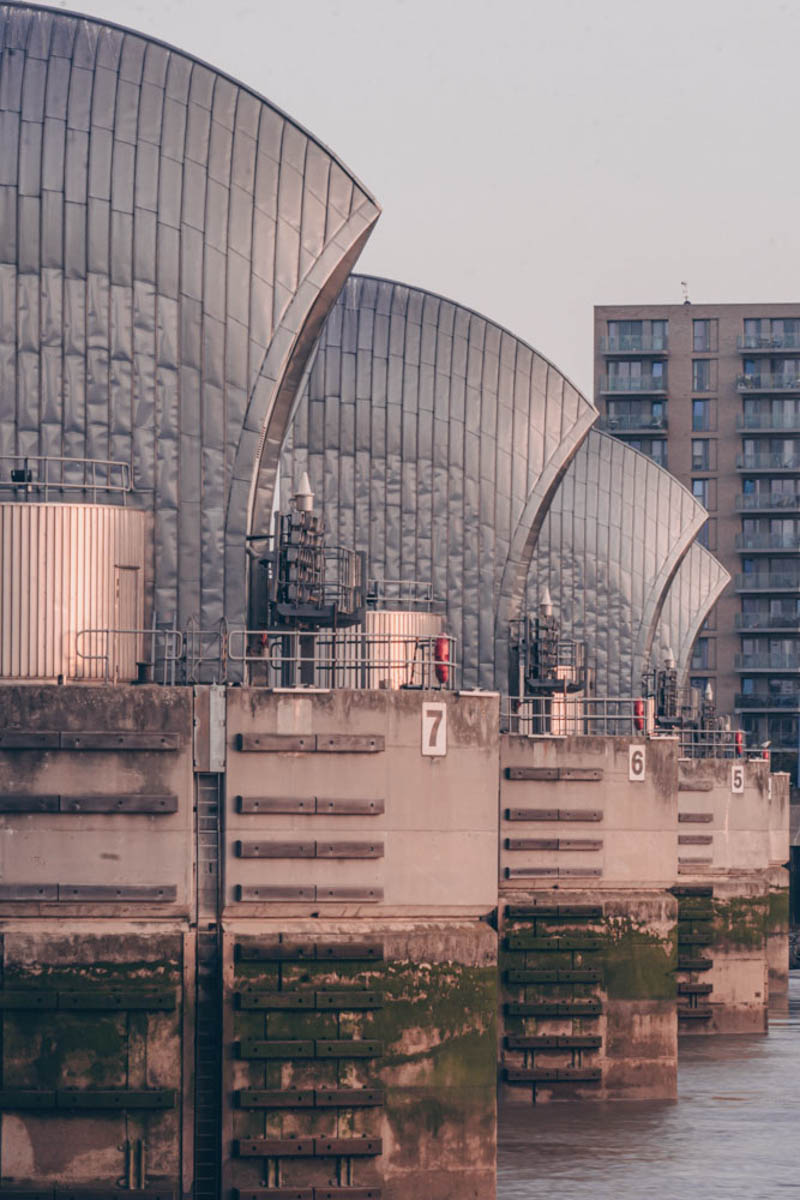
562, 715
767, 581
270, 658
205, 653
628, 422
410, 594
767, 621
788, 544
41, 474
120, 651
768, 461
768, 422
776, 341
765, 700
709, 743
634, 343
764, 501
637, 383
351, 659
768, 382
767, 662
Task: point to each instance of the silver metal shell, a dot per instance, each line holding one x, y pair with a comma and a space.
615, 535
699, 582
170, 244
433, 440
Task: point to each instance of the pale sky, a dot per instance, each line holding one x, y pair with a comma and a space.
536, 157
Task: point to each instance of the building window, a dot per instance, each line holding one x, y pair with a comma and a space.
752, 333
703, 654
785, 333
704, 336
701, 416
658, 331
701, 375
700, 491
701, 454
635, 336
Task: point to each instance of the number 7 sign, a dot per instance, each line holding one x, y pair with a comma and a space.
434, 730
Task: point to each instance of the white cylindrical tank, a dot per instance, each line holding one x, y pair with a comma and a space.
71, 586
400, 641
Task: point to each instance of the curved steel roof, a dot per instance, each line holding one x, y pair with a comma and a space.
699, 582
434, 439
170, 244
615, 535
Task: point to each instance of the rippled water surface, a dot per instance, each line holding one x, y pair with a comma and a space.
734, 1132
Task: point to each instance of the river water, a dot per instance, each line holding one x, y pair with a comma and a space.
734, 1131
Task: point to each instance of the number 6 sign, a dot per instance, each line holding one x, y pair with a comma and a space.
434, 730
636, 764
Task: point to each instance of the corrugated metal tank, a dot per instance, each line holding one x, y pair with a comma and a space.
396, 637
68, 569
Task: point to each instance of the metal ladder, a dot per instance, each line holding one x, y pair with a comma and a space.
208, 992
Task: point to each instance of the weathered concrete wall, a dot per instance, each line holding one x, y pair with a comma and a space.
425, 841
737, 825
91, 1054
779, 880
572, 817
409, 1021
336, 823
591, 821
588, 986
95, 795
722, 950
733, 824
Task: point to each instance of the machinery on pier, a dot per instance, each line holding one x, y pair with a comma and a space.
311, 585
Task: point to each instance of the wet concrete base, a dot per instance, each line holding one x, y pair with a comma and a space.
588, 987
421, 1039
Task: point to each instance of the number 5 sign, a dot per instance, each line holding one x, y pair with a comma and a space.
434, 729
737, 778
636, 764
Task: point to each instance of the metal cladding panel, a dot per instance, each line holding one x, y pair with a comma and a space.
699, 582
169, 246
68, 568
433, 440
615, 534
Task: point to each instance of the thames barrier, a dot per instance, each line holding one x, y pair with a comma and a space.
350, 775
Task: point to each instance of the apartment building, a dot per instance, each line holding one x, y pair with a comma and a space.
712, 392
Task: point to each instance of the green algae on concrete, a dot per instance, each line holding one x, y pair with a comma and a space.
778, 910
638, 963
438, 1023
741, 921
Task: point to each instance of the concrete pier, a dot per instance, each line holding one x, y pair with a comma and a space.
282, 943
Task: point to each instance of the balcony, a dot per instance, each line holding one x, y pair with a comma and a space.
613, 385
767, 581
768, 423
766, 460
634, 343
768, 502
768, 622
766, 702
764, 661
778, 542
768, 383
628, 423
768, 343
